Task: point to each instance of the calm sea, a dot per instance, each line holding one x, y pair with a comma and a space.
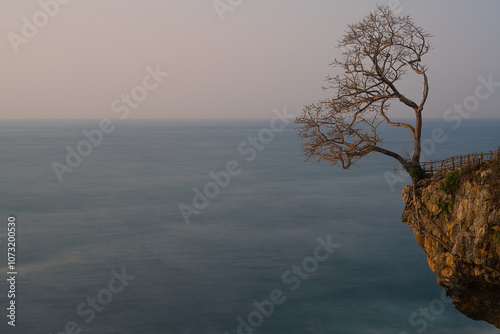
108, 251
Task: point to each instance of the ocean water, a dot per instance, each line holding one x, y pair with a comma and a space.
108, 251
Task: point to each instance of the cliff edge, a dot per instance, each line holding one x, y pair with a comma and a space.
455, 217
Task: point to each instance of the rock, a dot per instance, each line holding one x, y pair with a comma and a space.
456, 219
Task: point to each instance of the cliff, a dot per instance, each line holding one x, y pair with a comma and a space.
456, 219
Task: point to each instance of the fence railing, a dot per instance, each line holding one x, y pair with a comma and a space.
456, 162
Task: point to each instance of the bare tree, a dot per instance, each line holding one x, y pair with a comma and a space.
376, 54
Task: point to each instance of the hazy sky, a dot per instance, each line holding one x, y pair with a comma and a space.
264, 54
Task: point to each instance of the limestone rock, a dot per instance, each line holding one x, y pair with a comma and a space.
456, 219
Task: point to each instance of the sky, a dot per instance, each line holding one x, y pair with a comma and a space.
94, 59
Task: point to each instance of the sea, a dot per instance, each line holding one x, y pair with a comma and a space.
214, 227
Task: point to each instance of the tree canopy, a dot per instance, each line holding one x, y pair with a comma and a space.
377, 54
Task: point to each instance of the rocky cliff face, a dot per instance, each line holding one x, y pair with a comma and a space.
456, 220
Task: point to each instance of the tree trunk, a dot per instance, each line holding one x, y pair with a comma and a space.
417, 138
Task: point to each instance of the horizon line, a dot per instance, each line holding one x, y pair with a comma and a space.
204, 119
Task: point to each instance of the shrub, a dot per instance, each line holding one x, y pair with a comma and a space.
444, 205
416, 173
496, 237
451, 182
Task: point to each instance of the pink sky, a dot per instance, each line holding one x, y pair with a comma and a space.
265, 54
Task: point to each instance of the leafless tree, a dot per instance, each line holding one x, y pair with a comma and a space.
377, 53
